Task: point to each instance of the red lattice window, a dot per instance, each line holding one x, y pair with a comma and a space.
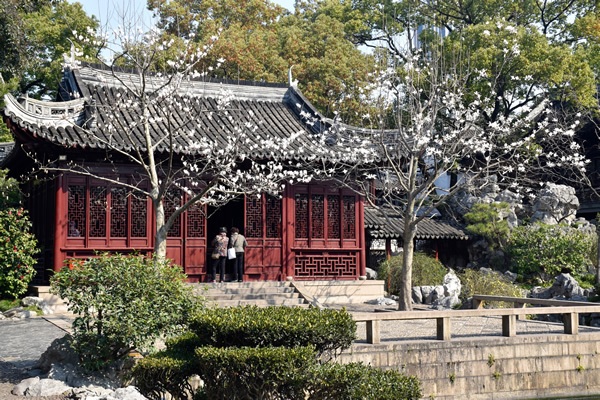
349, 217
98, 196
195, 221
254, 217
139, 215
172, 201
341, 264
333, 216
301, 216
76, 210
273, 217
118, 212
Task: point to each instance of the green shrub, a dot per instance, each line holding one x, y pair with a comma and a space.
427, 271
356, 381
18, 248
254, 373
122, 303
489, 283
163, 373
543, 251
328, 330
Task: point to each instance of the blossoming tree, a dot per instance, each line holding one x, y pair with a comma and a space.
447, 135
208, 151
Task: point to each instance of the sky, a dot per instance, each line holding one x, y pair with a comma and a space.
107, 10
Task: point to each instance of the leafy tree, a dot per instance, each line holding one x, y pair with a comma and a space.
35, 35
542, 251
261, 41
489, 221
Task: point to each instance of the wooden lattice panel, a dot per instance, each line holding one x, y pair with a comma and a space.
254, 217
333, 216
139, 216
76, 210
195, 221
98, 196
349, 217
301, 216
118, 212
273, 217
343, 264
172, 201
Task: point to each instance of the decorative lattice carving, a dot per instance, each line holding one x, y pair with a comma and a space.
349, 217
195, 221
254, 221
76, 210
317, 216
333, 216
273, 217
139, 216
118, 212
301, 216
326, 266
172, 201
98, 195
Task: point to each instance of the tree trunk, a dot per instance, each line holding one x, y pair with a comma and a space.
160, 240
408, 246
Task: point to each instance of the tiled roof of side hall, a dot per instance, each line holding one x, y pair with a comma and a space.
382, 226
88, 96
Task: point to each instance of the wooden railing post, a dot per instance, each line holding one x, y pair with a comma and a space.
509, 325
443, 328
571, 322
373, 331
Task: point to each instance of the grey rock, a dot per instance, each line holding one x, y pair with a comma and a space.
452, 285
417, 295
47, 387
436, 293
371, 274
426, 293
21, 387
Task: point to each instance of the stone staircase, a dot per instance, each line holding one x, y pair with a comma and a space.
262, 294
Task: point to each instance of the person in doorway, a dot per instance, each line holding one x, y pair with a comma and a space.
219, 255
238, 242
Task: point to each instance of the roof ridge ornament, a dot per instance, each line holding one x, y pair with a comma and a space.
293, 83
69, 61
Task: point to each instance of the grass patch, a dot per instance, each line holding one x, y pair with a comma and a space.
6, 304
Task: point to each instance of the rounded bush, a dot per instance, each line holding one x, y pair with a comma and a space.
122, 303
427, 271
490, 283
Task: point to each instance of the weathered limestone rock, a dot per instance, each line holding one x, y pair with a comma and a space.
555, 203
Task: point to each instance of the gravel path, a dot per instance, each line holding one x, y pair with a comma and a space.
21, 345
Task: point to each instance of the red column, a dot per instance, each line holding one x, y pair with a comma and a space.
60, 223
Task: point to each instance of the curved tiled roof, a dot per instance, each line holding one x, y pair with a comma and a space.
89, 94
391, 226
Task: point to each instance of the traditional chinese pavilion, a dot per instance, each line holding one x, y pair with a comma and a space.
314, 232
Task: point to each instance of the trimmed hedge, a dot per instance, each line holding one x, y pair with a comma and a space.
254, 373
266, 353
356, 381
252, 326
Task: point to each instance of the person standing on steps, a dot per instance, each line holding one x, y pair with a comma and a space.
219, 255
238, 242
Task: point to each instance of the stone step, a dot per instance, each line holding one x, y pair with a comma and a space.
298, 302
54, 302
250, 296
